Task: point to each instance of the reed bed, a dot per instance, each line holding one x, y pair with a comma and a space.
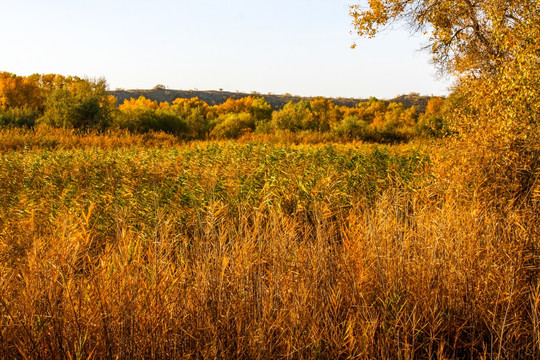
258, 251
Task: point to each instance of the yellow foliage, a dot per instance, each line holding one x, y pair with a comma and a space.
140, 103
19, 92
493, 47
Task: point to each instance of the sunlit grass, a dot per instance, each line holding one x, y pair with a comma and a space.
143, 247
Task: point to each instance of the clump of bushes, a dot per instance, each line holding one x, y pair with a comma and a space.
19, 117
232, 125
143, 115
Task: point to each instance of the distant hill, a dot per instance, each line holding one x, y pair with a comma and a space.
213, 97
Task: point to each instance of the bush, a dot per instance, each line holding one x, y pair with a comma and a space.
433, 122
144, 120
18, 117
294, 117
351, 127
193, 112
232, 125
79, 104
143, 115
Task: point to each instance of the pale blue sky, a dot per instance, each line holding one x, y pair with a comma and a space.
300, 47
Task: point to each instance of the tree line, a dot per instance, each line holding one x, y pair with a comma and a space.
72, 102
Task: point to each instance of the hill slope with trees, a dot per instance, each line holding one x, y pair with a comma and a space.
217, 97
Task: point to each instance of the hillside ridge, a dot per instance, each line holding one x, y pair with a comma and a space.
216, 97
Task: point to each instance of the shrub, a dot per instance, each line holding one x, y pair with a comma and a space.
143, 115
194, 114
79, 104
351, 127
433, 122
232, 125
294, 117
18, 117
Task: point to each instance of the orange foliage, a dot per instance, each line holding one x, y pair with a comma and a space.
19, 92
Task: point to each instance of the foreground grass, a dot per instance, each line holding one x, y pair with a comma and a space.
147, 248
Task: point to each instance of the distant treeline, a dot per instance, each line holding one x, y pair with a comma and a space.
72, 102
278, 101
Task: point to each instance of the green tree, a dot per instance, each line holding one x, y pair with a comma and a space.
78, 103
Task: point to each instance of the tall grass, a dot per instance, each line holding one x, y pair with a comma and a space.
224, 250
44, 137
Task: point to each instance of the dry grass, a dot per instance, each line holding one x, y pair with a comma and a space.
220, 250
54, 139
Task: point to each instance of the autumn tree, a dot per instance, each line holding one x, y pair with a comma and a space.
261, 110
493, 48
352, 127
232, 125
21, 100
466, 36
371, 112
294, 117
20, 92
257, 107
194, 114
326, 114
432, 122
398, 118
367, 111
143, 115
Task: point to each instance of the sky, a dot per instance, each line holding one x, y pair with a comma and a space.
300, 47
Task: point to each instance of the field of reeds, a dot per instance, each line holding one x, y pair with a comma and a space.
138, 246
